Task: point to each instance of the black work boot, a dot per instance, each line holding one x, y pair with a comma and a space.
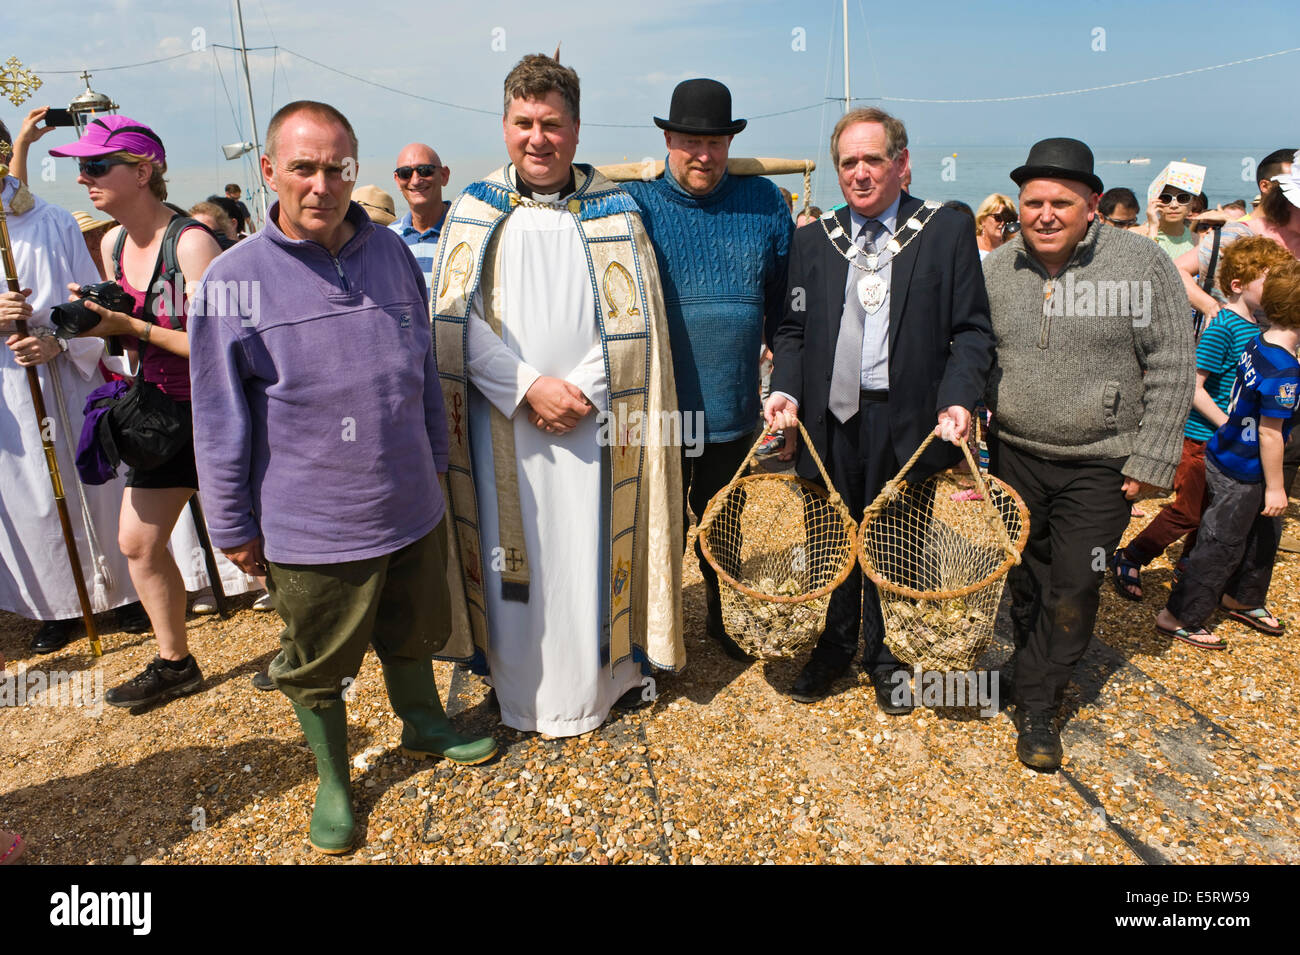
1039, 742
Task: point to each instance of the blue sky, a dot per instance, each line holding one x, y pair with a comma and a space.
630, 58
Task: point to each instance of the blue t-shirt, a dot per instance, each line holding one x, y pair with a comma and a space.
1217, 353
1267, 380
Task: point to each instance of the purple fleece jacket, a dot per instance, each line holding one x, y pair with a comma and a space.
318, 417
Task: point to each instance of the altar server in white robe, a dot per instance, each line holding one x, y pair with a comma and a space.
35, 575
565, 563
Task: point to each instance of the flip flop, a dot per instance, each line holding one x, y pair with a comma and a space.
1124, 574
1254, 619
1188, 637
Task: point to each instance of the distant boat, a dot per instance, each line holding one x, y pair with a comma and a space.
1139, 161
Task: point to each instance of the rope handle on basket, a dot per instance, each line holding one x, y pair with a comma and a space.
706, 520
890, 491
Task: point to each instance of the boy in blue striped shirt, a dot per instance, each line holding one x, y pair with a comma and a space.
1241, 277
1232, 563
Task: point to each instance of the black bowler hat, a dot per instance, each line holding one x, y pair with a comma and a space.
1059, 158
702, 107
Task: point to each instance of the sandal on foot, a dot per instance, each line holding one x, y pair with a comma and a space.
1124, 573
1254, 619
1190, 637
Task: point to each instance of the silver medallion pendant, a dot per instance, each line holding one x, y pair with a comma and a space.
871, 292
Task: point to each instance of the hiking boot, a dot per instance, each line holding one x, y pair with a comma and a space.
426, 731
333, 827
1038, 745
158, 683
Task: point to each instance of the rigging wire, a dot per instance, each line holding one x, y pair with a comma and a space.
1093, 89
109, 69
891, 99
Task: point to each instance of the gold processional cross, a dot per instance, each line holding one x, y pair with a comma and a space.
16, 82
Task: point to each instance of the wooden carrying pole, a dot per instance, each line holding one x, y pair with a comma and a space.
47, 442
736, 166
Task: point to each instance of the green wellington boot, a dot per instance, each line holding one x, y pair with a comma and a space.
332, 825
426, 731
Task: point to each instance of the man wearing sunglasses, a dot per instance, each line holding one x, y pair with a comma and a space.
420, 175
1118, 207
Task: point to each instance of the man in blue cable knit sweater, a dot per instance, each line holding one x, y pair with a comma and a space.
722, 243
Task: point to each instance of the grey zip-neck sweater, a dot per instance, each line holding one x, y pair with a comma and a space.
1098, 361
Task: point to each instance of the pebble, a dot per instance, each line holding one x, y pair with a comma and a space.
732, 773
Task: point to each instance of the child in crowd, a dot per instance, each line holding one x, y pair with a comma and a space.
1232, 563
1241, 277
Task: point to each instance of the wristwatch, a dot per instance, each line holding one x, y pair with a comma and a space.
49, 333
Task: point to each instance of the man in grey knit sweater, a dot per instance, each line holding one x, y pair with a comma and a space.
1093, 381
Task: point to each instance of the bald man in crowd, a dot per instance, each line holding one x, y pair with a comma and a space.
420, 175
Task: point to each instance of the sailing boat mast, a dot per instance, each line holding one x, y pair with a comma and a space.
259, 198
847, 100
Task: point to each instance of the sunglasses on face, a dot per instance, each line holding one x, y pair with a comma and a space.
425, 169
1182, 198
1119, 223
94, 168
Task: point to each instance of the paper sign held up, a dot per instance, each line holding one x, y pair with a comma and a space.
1186, 176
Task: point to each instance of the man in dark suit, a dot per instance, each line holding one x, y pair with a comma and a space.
886, 331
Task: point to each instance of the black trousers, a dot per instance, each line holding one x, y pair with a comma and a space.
1234, 551
861, 459
1077, 515
702, 478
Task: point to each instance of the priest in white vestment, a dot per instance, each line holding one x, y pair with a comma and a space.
565, 560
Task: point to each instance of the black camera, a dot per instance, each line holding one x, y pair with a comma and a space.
73, 318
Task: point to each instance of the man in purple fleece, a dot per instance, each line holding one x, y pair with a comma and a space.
320, 438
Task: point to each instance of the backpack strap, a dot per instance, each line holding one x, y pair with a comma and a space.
166, 267
1207, 281
1199, 318
118, 248
171, 266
